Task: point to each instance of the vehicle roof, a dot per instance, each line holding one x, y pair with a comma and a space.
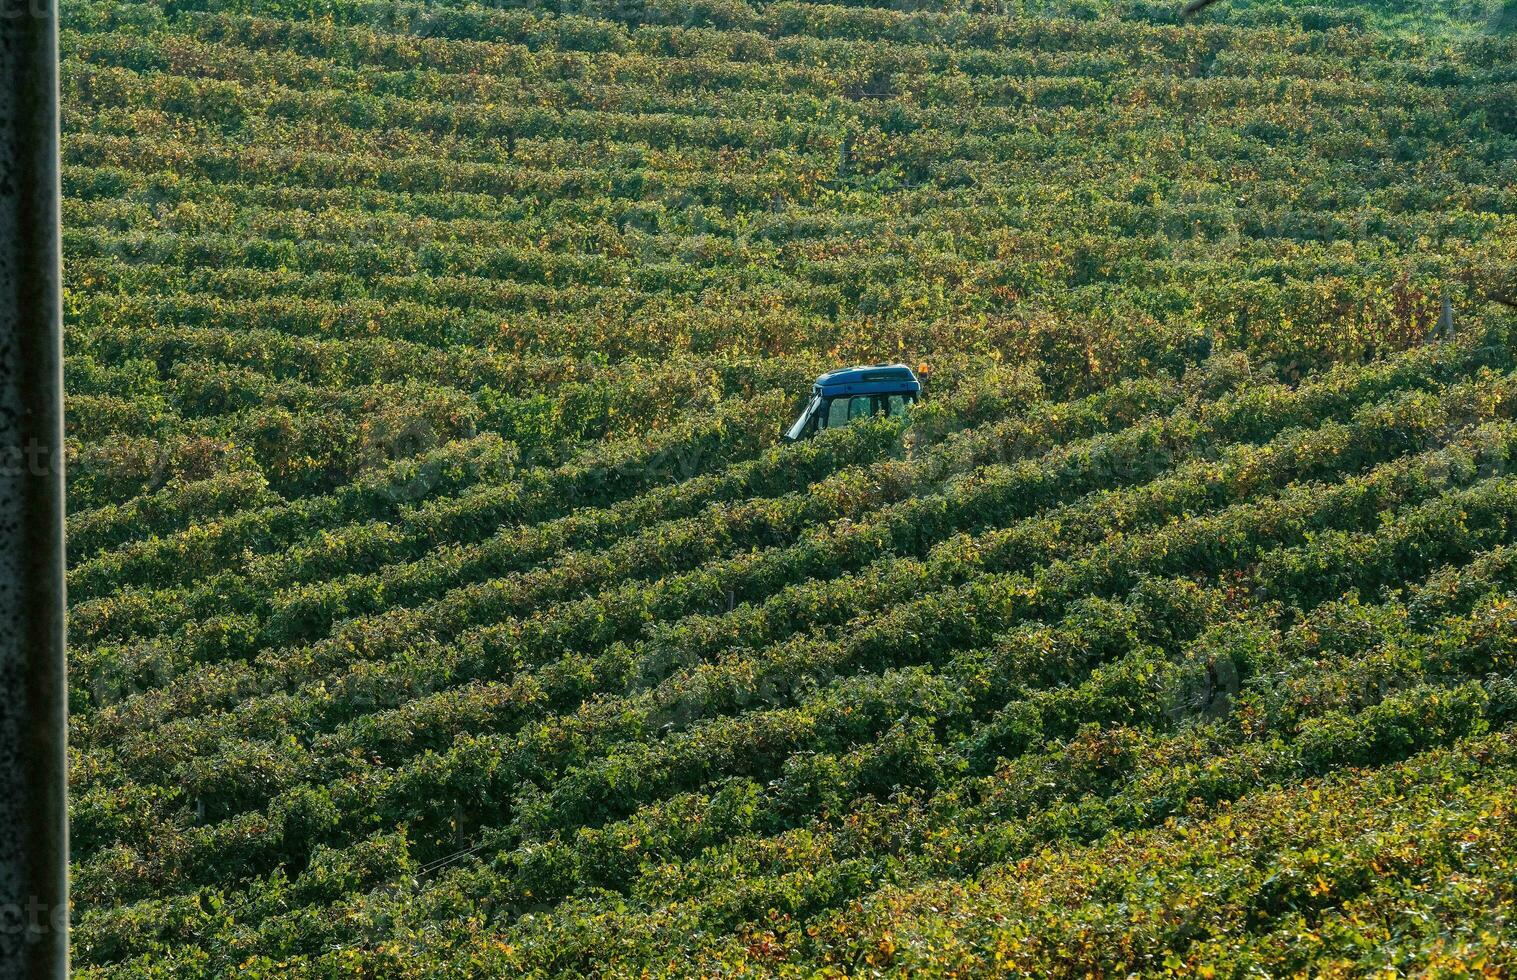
870, 378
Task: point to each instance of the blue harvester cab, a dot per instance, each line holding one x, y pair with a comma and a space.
839, 397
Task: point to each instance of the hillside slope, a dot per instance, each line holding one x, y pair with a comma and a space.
442, 604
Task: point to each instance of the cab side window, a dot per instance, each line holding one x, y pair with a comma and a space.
841, 411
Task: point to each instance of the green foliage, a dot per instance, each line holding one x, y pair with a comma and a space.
444, 603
